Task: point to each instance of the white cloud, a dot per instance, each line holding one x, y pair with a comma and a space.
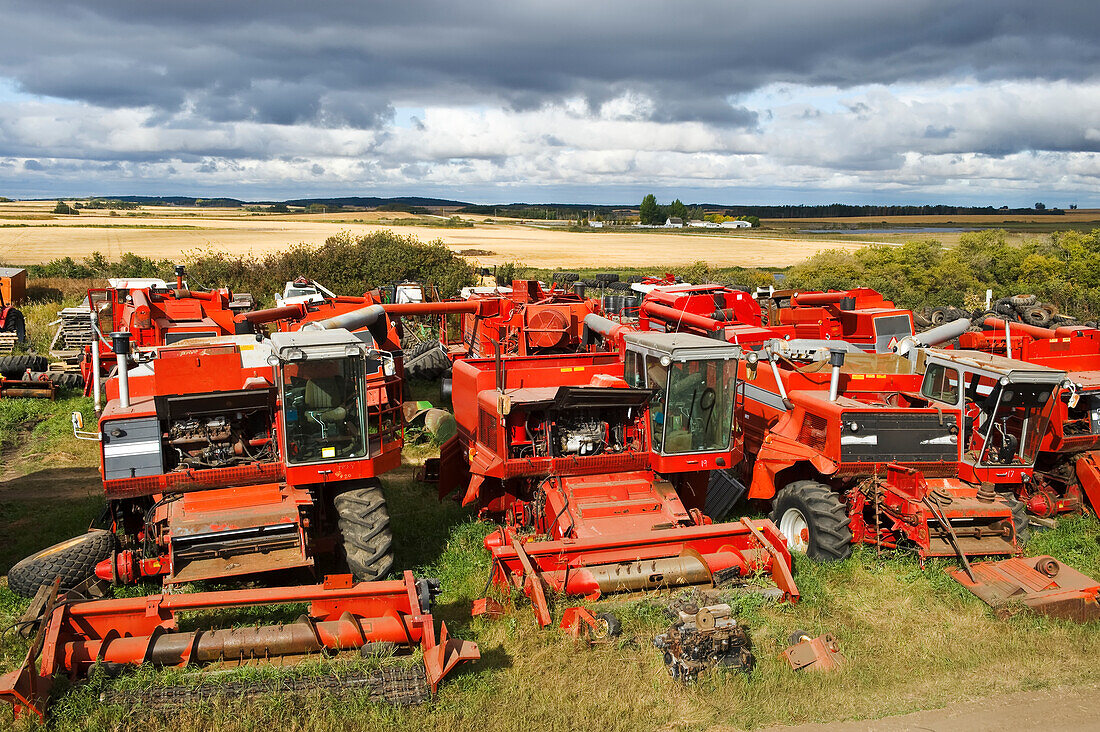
971, 141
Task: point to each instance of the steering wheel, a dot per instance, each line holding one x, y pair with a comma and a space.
707, 399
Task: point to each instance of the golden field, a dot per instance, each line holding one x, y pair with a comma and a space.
30, 234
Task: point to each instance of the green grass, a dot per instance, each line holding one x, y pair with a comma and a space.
914, 639
40, 426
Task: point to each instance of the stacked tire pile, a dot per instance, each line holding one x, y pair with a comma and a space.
1015, 309
16, 367
1027, 309
616, 295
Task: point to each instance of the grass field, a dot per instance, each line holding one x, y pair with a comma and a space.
915, 640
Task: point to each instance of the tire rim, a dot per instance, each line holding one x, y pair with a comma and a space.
796, 528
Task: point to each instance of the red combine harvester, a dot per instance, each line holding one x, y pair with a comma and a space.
526, 320
155, 316
860, 316
242, 454
876, 448
529, 320
709, 310
1067, 471
598, 470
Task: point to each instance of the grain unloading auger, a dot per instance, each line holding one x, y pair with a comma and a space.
71, 635
596, 464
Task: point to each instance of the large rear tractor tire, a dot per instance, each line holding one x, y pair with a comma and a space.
814, 521
73, 560
16, 323
365, 526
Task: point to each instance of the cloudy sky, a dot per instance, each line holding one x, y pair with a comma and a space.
790, 101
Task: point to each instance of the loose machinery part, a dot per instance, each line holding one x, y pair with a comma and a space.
702, 638
73, 635
814, 520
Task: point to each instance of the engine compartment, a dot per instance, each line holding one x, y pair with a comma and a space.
217, 431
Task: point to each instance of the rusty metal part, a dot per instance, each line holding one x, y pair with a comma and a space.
1040, 584
815, 654
987, 493
698, 641
74, 635
950, 535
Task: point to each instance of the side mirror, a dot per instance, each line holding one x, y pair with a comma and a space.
78, 426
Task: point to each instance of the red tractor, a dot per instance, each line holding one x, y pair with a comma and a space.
597, 465
242, 454
1067, 471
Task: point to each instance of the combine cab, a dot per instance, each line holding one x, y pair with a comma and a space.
597, 466
1067, 469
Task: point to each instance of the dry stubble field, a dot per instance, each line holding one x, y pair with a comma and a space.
30, 234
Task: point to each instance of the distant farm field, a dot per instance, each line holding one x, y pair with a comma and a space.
28, 234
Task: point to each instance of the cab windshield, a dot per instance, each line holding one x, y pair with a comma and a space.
1015, 423
693, 408
323, 410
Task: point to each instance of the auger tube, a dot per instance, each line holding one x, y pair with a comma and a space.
933, 336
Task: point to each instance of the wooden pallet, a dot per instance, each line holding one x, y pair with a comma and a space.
7, 343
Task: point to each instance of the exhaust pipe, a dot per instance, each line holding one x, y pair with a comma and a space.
836, 360
120, 344
932, 337
179, 276
96, 337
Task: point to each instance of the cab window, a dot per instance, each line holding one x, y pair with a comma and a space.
941, 383
323, 410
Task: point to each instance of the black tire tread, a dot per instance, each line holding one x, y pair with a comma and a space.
15, 366
614, 625
427, 363
73, 565
830, 534
364, 522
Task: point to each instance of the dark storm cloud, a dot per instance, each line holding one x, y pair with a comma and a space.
345, 64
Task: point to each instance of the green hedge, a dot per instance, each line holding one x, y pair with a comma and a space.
345, 264
1062, 268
